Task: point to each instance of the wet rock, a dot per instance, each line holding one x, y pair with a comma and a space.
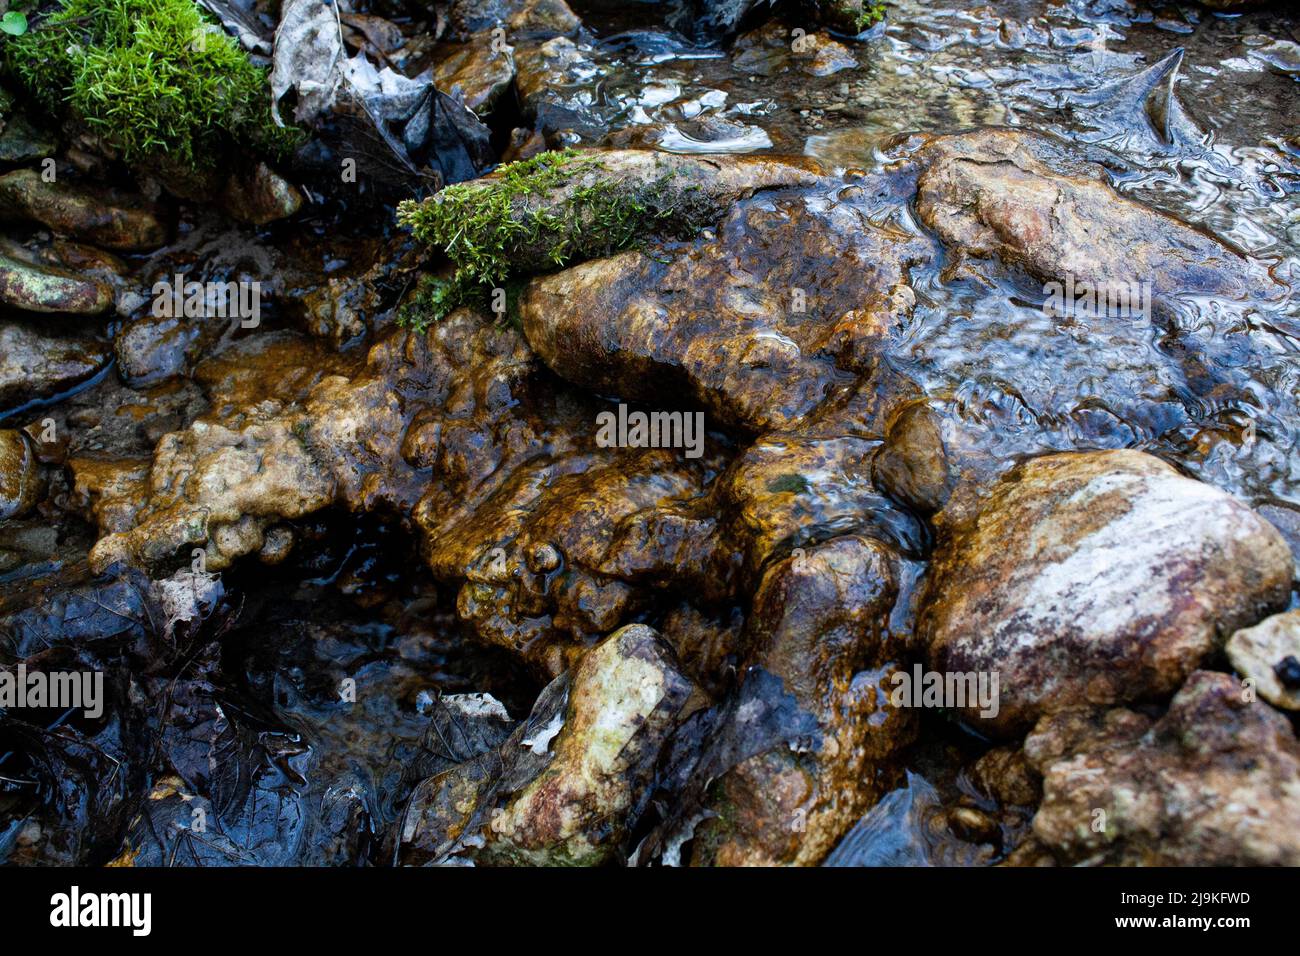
575, 206
86, 261
1021, 197
151, 348
797, 487
21, 142
775, 47
1269, 654
477, 73
1096, 577
33, 365
284, 446
109, 491
259, 196
757, 325
564, 788
847, 16
282, 366
816, 623
541, 17
80, 213
914, 464
560, 553
1214, 782
258, 469
20, 479
1005, 774
32, 287
627, 693
551, 540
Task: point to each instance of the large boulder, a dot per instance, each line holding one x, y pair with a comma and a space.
1096, 578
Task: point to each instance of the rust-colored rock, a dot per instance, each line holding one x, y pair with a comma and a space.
817, 623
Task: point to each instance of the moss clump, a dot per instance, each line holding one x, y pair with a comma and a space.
434, 297
537, 214
851, 16
872, 13
154, 78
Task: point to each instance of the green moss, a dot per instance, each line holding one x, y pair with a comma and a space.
493, 233
434, 298
792, 482
872, 13
480, 225
154, 78
850, 16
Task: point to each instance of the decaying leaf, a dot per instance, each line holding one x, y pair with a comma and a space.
403, 127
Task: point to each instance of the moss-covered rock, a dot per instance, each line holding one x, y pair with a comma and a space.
154, 78
563, 207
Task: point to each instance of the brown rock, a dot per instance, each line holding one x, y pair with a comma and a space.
757, 331
816, 623
80, 213
1215, 782
1096, 578
20, 484
260, 195
1020, 197
37, 366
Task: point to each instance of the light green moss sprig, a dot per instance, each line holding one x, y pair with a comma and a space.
153, 78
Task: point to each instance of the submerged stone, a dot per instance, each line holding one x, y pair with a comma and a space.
1023, 198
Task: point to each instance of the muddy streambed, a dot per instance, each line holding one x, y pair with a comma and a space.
366, 586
